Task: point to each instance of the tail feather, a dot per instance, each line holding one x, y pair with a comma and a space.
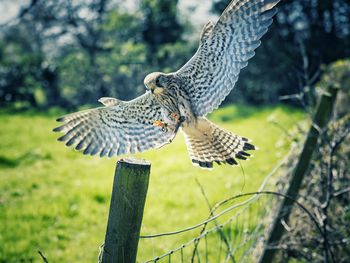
207, 143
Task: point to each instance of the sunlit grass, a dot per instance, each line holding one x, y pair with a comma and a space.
56, 200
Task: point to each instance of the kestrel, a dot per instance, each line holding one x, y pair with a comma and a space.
180, 100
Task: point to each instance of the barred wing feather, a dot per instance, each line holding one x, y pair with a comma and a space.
124, 127
224, 50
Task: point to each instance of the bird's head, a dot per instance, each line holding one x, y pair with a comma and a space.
156, 82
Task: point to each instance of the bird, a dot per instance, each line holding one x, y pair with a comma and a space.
180, 101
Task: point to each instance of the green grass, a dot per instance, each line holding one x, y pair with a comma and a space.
56, 200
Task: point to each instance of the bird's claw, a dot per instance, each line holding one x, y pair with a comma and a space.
161, 124
165, 126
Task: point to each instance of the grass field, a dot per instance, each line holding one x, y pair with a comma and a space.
56, 200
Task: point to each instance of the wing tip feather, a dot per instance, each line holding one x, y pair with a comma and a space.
61, 119
57, 129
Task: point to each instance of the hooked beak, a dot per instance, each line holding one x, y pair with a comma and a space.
154, 89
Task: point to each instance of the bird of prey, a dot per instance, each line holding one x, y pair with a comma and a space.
180, 100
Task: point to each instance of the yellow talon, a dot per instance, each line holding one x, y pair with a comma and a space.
159, 124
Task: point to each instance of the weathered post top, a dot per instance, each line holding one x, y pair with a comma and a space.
126, 210
134, 162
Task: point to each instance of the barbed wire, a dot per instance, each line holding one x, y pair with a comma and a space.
212, 218
220, 226
202, 235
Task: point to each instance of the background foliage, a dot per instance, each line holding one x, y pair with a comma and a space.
325, 191
69, 53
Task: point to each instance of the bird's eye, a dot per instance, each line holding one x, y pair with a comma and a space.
157, 81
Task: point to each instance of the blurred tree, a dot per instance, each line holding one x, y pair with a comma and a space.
104, 40
68, 53
50, 83
95, 48
84, 49
160, 26
20, 63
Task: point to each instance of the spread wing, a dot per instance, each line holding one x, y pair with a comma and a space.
224, 49
120, 128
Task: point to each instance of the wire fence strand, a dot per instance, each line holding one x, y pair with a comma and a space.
248, 237
212, 218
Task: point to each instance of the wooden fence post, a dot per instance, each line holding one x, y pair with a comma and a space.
323, 113
126, 210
